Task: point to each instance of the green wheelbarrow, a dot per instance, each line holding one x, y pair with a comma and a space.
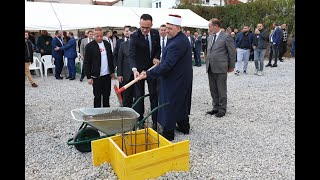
110, 121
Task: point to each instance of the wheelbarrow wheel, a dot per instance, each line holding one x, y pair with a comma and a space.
85, 134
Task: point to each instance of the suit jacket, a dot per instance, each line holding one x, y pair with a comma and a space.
28, 57
222, 55
277, 35
138, 49
123, 62
70, 49
116, 50
83, 44
56, 54
198, 44
239, 38
92, 59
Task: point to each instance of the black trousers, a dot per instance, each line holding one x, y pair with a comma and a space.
270, 54
275, 53
139, 90
128, 94
282, 49
58, 62
204, 49
101, 89
82, 73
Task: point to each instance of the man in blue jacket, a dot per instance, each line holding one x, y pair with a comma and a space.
244, 43
275, 39
175, 73
57, 55
70, 52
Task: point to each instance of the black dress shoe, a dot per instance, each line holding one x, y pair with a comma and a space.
169, 135
59, 78
183, 130
281, 60
68, 77
268, 65
274, 65
81, 79
220, 114
212, 112
72, 78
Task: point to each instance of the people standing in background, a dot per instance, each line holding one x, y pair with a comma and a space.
85, 35
275, 39
126, 33
28, 58
260, 44
114, 38
57, 55
44, 43
82, 50
220, 60
191, 40
243, 44
197, 49
124, 71
204, 38
99, 69
109, 40
70, 52
65, 37
163, 37
283, 44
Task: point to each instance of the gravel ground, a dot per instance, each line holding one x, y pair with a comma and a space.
254, 140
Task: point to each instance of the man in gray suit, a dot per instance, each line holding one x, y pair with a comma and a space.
83, 44
220, 60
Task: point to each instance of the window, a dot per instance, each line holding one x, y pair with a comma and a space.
159, 4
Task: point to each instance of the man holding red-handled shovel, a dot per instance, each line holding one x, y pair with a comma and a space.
144, 52
175, 73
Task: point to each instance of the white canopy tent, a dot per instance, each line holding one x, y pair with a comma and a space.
54, 16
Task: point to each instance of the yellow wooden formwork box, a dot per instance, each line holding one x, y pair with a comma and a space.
141, 162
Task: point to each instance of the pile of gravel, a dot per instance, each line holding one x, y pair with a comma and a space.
254, 140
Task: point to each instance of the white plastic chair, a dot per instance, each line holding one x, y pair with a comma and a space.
36, 65
48, 63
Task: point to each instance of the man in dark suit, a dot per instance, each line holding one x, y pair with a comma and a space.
70, 52
275, 39
175, 73
28, 58
220, 60
144, 52
57, 55
98, 67
119, 41
197, 49
124, 71
84, 42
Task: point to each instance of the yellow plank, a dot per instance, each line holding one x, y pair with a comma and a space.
117, 159
99, 150
156, 162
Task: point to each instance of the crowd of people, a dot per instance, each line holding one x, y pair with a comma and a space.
163, 59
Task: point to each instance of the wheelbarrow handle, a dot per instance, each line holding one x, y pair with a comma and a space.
138, 100
155, 109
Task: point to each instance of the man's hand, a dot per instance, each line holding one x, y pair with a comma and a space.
47, 43
41, 50
254, 47
90, 81
230, 69
120, 79
56, 48
136, 74
143, 75
156, 61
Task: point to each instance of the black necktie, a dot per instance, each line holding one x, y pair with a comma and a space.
148, 46
162, 44
213, 41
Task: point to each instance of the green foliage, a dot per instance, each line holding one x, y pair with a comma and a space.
251, 13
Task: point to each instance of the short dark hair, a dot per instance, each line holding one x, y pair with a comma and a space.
26, 31
215, 21
127, 26
163, 25
57, 31
71, 33
115, 32
146, 17
131, 29
276, 24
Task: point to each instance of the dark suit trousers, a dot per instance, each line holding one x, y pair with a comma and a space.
82, 73
128, 94
270, 54
282, 49
58, 62
275, 49
218, 90
72, 67
101, 88
139, 90
197, 58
